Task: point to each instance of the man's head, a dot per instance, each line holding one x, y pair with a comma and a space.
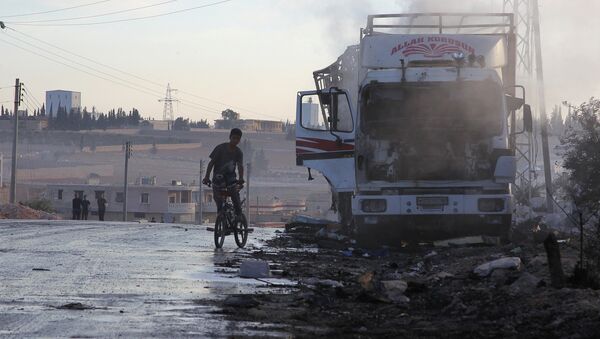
235, 136
84, 196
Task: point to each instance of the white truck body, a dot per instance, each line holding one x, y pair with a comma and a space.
415, 133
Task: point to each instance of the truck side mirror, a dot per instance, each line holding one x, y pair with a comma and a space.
527, 118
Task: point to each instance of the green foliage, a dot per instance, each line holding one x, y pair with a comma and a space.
582, 160
181, 124
230, 114
40, 205
582, 156
76, 120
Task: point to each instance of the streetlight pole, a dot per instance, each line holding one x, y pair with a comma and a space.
13, 172
127, 155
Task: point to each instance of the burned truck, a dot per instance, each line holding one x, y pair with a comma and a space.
414, 128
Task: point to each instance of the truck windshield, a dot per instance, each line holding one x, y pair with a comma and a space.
472, 107
431, 131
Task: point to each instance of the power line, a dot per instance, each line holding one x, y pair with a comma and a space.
123, 82
130, 19
56, 10
142, 78
95, 15
28, 92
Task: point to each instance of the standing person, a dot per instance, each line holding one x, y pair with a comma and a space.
101, 207
225, 158
76, 207
85, 204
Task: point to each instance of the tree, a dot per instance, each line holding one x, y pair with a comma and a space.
230, 114
582, 161
203, 123
181, 124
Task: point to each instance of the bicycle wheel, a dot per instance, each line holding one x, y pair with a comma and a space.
220, 226
240, 231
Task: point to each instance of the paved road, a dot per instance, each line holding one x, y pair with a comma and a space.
139, 280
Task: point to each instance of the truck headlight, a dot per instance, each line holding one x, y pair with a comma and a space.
374, 205
490, 204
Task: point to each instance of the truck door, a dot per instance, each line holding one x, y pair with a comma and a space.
325, 136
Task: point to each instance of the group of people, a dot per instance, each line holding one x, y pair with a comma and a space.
81, 207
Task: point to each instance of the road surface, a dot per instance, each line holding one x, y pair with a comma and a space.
131, 279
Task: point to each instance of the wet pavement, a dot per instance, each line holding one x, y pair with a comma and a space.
92, 279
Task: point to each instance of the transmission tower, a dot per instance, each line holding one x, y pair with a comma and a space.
168, 100
530, 72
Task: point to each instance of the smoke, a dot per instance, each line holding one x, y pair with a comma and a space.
568, 36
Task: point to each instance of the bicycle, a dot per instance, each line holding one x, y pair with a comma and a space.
227, 221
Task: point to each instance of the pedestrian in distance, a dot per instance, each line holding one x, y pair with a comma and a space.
76, 207
101, 207
225, 158
85, 207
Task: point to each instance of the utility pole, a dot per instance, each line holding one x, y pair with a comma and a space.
1, 170
13, 173
248, 166
127, 155
201, 192
542, 103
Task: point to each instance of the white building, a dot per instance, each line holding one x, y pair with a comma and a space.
310, 114
68, 99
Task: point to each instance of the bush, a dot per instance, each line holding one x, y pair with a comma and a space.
40, 205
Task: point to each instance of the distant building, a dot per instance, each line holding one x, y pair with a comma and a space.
250, 125
67, 99
156, 125
163, 203
310, 114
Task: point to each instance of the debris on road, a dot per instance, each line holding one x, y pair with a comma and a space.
484, 270
468, 241
254, 269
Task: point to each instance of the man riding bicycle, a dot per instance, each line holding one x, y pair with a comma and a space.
224, 159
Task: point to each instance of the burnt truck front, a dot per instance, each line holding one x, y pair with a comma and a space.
432, 150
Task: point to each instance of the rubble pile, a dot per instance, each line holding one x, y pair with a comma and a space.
14, 211
473, 289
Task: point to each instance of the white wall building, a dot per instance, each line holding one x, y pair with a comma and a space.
310, 114
59, 98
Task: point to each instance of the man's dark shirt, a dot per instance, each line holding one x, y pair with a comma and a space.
226, 160
76, 203
101, 203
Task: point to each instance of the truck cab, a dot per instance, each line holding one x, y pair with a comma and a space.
428, 130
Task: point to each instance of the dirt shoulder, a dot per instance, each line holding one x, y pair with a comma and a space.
418, 292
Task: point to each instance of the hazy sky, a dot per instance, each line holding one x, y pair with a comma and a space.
250, 55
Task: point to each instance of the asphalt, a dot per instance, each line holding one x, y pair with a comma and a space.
93, 279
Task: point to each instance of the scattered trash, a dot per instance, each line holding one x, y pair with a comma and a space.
484, 270
324, 233
303, 222
328, 283
525, 284
254, 269
366, 280
430, 255
467, 241
516, 250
